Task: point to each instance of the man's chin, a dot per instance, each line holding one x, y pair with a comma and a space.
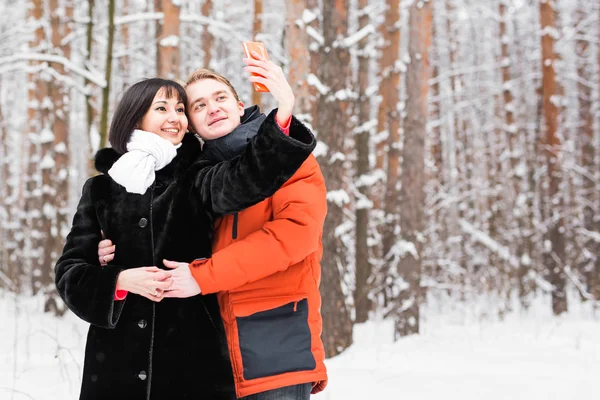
217, 133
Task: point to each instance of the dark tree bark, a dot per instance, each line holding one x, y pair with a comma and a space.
413, 169
107, 74
168, 59
364, 269
207, 38
332, 127
555, 253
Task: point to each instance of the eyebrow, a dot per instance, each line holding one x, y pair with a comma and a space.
165, 102
202, 98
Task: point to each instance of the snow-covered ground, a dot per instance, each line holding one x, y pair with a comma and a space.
459, 355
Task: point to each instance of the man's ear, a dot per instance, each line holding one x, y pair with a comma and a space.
241, 108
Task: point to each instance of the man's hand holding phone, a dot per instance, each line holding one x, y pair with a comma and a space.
271, 76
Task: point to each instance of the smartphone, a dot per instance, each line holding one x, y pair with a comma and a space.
260, 48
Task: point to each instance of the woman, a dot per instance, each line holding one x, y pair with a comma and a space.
154, 184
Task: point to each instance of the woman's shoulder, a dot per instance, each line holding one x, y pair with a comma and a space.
105, 158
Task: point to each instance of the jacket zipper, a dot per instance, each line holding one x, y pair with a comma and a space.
149, 387
234, 233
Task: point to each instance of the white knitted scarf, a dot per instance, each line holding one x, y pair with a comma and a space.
146, 152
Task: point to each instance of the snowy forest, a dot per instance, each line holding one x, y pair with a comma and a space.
459, 139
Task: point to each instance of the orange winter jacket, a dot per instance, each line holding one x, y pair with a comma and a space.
265, 268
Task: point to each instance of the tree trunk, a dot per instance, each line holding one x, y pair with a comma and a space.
315, 56
555, 252
451, 147
364, 269
596, 199
89, 98
388, 117
296, 44
498, 221
390, 83
522, 207
413, 170
332, 126
55, 175
167, 40
125, 60
6, 234
39, 131
257, 28
591, 257
107, 74
207, 38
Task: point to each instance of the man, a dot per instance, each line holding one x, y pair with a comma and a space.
265, 264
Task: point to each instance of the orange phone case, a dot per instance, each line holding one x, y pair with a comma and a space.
260, 48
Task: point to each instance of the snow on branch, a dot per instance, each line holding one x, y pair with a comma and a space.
54, 59
367, 127
595, 236
217, 25
372, 10
308, 16
314, 81
139, 17
312, 32
355, 37
490, 243
339, 197
578, 284
119, 20
371, 178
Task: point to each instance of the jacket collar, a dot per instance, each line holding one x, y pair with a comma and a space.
228, 146
186, 154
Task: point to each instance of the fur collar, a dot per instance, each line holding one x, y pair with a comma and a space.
186, 154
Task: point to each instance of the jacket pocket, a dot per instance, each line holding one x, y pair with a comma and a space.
275, 340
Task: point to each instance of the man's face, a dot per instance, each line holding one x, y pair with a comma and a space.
213, 110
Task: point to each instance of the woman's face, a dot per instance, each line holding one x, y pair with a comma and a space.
166, 118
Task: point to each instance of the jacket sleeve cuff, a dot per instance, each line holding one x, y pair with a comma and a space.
286, 127
200, 269
120, 294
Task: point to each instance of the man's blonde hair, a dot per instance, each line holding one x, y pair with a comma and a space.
204, 73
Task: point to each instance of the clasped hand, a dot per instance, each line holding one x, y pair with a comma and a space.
151, 282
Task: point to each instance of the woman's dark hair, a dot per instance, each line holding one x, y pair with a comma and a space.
134, 104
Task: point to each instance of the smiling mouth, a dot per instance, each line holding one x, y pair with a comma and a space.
217, 120
172, 131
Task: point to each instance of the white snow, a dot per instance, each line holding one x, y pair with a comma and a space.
461, 354
339, 197
98, 80
313, 33
357, 37
170, 41
308, 16
313, 80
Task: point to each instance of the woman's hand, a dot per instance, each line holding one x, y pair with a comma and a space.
106, 251
149, 282
274, 79
184, 284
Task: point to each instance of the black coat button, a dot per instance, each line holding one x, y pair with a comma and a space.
142, 375
143, 223
142, 323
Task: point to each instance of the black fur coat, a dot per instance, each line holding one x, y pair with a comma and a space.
175, 349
